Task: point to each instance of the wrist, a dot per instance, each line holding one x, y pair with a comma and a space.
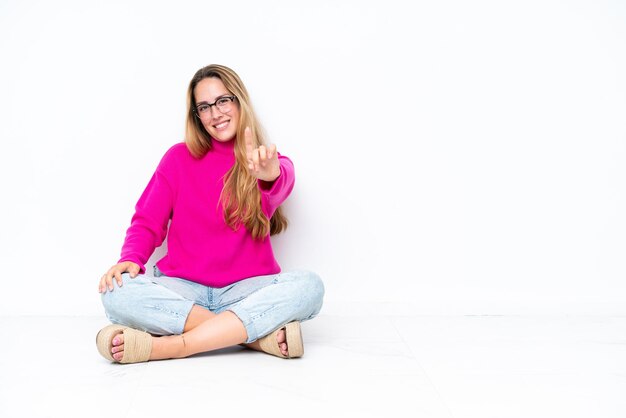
266, 183
271, 177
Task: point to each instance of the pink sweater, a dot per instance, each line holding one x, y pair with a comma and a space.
201, 247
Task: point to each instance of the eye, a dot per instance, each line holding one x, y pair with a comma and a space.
222, 101
202, 108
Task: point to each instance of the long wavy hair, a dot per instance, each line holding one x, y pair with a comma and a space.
240, 197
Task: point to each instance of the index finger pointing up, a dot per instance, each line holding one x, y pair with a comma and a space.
249, 141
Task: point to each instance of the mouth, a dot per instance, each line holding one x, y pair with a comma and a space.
222, 125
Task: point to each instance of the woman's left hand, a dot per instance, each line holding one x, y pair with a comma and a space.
262, 161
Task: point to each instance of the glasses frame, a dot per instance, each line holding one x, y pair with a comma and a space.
231, 97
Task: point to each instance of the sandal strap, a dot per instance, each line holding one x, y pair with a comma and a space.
137, 346
295, 345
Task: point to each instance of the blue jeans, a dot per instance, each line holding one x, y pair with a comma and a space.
160, 305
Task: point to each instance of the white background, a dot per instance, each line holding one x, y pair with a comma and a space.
451, 157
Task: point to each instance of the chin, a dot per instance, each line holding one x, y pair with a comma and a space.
223, 137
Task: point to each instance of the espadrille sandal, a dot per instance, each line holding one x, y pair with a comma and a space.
293, 336
137, 344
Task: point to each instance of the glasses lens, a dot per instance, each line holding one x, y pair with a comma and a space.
224, 104
203, 109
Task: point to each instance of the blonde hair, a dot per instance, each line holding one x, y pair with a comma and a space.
240, 197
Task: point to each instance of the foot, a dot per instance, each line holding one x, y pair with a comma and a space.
281, 340
171, 346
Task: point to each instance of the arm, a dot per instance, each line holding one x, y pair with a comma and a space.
274, 173
149, 223
274, 193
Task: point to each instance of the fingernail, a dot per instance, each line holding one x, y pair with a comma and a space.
115, 341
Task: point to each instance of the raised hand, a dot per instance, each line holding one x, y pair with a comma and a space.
262, 161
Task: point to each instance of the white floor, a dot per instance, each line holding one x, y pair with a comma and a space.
354, 366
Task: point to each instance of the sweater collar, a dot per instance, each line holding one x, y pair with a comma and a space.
226, 148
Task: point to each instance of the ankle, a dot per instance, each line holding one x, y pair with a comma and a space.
168, 346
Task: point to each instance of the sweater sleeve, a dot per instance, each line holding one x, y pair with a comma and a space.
273, 194
148, 226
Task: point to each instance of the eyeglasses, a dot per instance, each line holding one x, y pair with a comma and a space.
224, 104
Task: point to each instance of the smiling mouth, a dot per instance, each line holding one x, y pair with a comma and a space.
221, 126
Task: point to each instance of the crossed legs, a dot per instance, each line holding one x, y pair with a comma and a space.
204, 331
181, 327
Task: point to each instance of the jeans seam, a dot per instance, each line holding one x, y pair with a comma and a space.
164, 309
262, 314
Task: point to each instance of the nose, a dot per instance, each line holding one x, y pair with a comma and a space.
218, 112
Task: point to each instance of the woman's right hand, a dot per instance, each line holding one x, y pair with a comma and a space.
116, 271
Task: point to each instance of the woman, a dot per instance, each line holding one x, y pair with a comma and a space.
219, 284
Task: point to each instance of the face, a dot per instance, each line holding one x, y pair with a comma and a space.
221, 126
